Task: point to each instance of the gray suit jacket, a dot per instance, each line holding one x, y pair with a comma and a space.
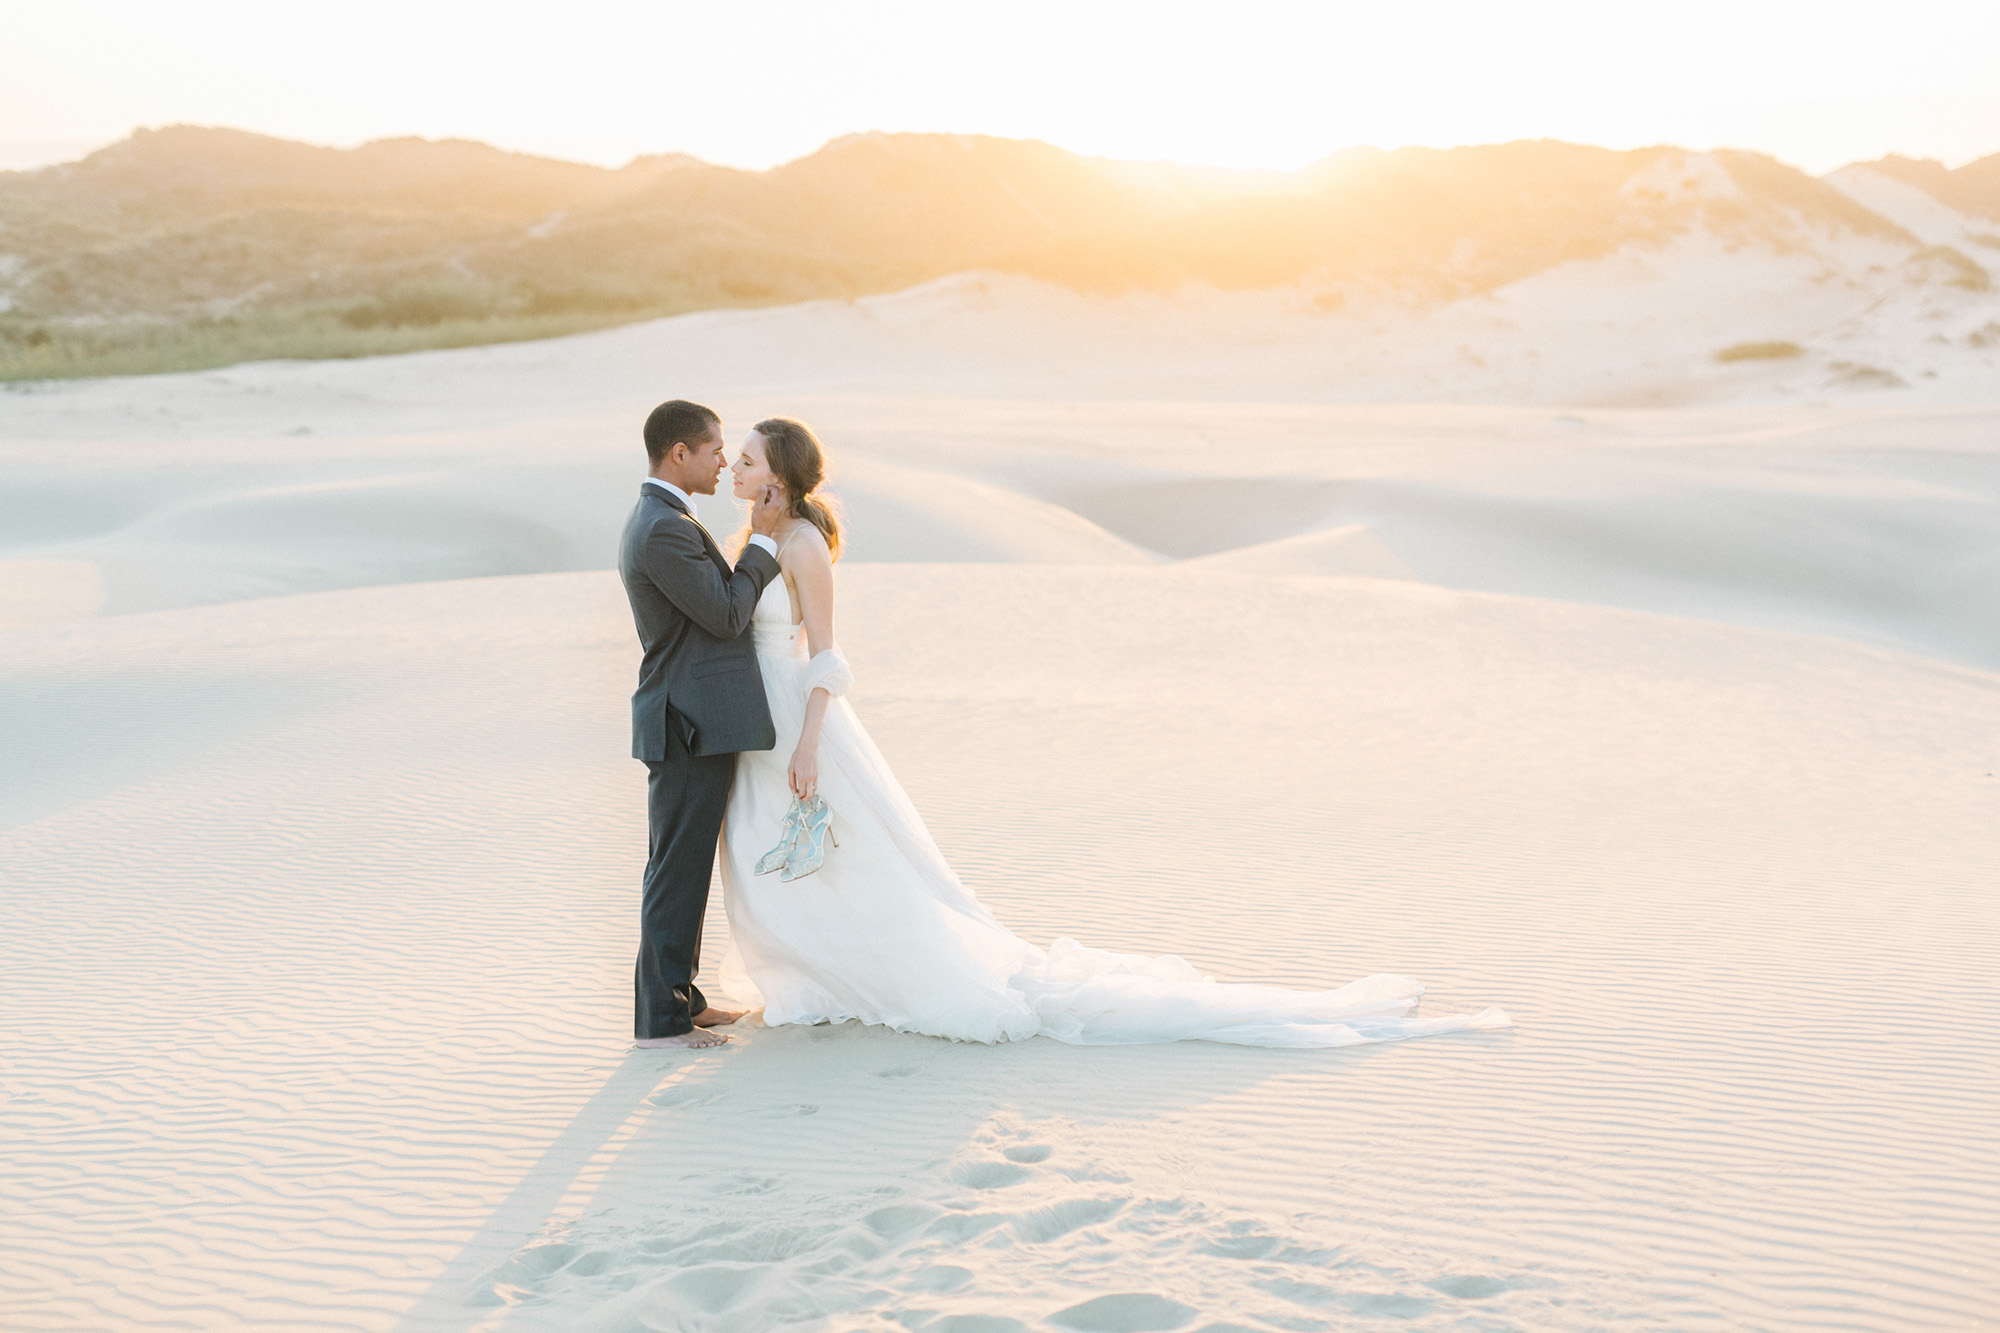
699, 674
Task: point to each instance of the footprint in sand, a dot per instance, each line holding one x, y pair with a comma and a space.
1471, 1288
940, 1278
990, 1175
1126, 1312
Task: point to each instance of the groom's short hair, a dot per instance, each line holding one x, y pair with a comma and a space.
677, 422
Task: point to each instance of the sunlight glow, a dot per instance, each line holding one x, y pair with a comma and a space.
1241, 84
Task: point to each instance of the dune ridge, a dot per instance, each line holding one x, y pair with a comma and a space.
1651, 698
190, 246
1874, 523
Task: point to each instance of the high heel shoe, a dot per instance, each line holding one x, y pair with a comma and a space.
809, 848
788, 839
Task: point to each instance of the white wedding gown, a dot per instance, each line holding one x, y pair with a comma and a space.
885, 933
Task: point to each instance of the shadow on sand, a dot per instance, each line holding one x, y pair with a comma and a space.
809, 1173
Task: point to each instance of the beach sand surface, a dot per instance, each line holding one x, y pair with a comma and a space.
1669, 729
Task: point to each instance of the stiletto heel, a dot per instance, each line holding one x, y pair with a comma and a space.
809, 849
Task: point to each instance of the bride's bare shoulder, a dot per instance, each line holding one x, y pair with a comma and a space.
805, 547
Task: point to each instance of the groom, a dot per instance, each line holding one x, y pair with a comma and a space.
700, 700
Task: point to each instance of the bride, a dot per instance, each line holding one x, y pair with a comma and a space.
883, 931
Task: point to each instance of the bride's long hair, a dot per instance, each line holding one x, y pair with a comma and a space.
798, 460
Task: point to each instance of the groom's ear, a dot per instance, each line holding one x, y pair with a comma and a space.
689, 448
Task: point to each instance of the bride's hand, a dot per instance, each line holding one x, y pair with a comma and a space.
804, 772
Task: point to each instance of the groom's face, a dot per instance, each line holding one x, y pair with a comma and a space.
704, 464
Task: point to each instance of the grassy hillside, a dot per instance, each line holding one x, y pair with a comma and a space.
190, 247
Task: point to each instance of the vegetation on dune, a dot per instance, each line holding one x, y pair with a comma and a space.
189, 247
36, 350
1855, 375
1973, 188
1766, 351
1963, 271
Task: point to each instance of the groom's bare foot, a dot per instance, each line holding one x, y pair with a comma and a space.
690, 1041
713, 1017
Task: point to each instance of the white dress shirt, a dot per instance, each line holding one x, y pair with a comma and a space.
756, 538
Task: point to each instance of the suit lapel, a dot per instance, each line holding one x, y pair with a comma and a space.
707, 540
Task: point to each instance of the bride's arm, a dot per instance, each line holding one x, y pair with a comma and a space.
811, 567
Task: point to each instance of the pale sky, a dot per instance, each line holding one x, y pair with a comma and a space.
1244, 83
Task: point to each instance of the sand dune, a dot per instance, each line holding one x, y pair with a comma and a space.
192, 246
1668, 729
1874, 317
1924, 216
324, 1018
1876, 524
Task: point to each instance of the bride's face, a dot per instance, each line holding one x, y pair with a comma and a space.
750, 473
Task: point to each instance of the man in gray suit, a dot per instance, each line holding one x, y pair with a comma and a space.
700, 700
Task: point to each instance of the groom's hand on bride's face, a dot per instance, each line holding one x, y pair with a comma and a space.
767, 511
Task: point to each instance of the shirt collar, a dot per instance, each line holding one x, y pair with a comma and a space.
687, 502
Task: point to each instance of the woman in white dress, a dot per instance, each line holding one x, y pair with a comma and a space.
883, 931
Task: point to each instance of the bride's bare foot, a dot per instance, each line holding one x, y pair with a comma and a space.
713, 1017
691, 1041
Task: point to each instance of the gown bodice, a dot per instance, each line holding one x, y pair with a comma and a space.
771, 626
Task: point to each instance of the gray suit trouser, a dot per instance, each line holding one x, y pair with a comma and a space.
685, 798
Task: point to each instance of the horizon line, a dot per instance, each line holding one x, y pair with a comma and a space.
86, 148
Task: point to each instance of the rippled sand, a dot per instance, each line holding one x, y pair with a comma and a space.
1671, 733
